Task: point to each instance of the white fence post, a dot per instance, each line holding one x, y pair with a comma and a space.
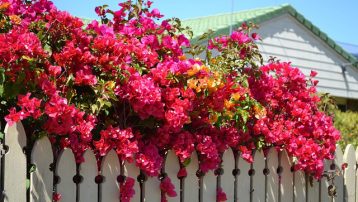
110, 171
88, 189
272, 178
286, 177
338, 180
349, 173
15, 163
66, 170
259, 177
172, 168
227, 179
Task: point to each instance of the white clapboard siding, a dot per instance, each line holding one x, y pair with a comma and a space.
209, 189
272, 178
243, 187
339, 180
286, 177
349, 182
191, 189
110, 171
299, 186
66, 169
15, 163
172, 168
88, 189
132, 171
259, 177
42, 177
227, 179
287, 39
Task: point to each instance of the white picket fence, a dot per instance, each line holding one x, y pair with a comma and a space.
267, 179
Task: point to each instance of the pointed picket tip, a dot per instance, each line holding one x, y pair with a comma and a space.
15, 163
88, 189
172, 168
42, 177
110, 171
66, 170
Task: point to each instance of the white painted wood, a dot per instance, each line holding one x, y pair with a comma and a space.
313, 190
243, 188
88, 189
171, 168
338, 180
227, 179
289, 40
110, 171
15, 163
272, 178
66, 169
42, 178
356, 177
325, 183
286, 177
152, 191
132, 171
300, 186
259, 177
209, 186
191, 181
349, 182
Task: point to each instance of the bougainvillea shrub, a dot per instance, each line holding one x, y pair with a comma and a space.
134, 84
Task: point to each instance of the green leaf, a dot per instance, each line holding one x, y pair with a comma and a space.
2, 135
187, 162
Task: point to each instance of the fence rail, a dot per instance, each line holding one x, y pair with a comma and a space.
269, 179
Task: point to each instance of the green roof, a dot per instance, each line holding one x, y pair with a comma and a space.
221, 23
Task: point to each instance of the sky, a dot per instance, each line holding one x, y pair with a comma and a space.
338, 19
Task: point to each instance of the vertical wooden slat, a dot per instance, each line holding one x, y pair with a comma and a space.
171, 168
259, 177
227, 179
209, 186
312, 186
339, 180
110, 171
66, 170
88, 189
299, 186
132, 171
42, 178
243, 188
349, 181
272, 178
286, 177
356, 177
325, 183
15, 163
191, 181
152, 191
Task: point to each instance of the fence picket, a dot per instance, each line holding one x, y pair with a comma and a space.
171, 168
191, 181
132, 171
339, 180
286, 178
209, 186
325, 184
299, 186
227, 179
152, 191
272, 178
42, 178
356, 176
312, 189
15, 163
88, 189
110, 171
259, 177
66, 170
349, 182
243, 188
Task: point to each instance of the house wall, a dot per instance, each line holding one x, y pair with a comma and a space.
288, 40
